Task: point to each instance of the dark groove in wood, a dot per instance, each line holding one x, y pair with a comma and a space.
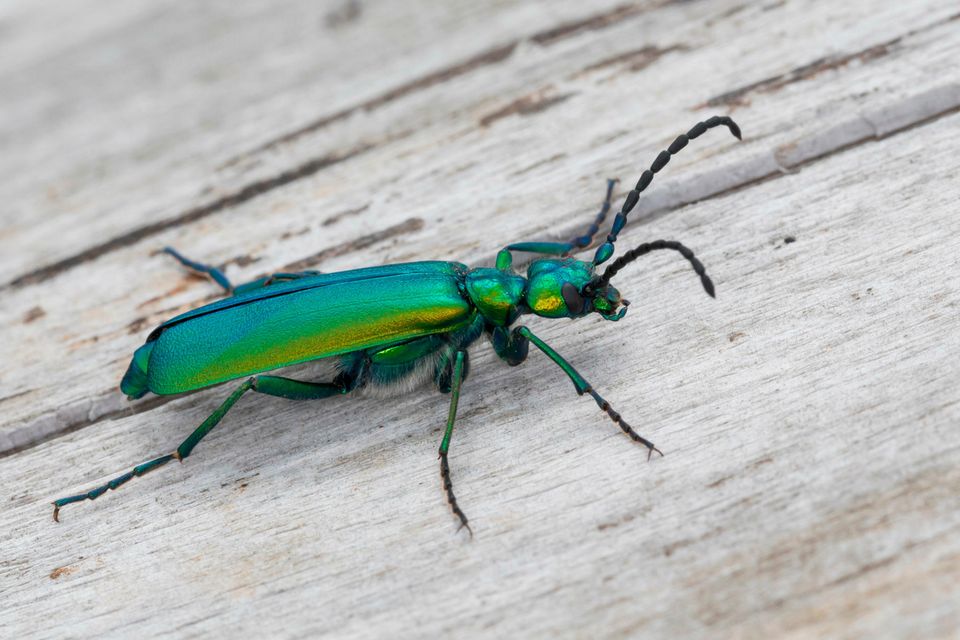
525, 106
487, 58
738, 97
590, 23
484, 59
249, 192
134, 409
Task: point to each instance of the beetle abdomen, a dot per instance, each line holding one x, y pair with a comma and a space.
270, 331
135, 382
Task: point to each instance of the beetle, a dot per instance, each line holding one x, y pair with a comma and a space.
391, 327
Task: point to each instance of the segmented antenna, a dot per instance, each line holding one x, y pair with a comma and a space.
647, 247
605, 250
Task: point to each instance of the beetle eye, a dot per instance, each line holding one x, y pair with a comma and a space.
572, 298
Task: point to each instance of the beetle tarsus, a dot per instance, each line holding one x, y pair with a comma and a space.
452, 499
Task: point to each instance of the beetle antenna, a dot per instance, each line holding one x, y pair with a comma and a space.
605, 250
646, 248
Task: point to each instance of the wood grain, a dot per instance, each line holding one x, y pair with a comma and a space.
809, 415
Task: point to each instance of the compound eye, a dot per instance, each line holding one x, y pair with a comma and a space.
572, 298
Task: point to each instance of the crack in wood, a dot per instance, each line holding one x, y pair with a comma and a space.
34, 313
484, 59
634, 60
479, 61
242, 195
526, 105
337, 217
739, 96
590, 23
48, 433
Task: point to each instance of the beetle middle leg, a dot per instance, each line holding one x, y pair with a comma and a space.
287, 388
513, 348
456, 379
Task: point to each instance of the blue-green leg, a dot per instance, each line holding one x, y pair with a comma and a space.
505, 257
456, 379
582, 387
269, 385
215, 273
218, 276
582, 242
509, 345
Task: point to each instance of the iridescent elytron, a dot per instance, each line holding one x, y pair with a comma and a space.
392, 326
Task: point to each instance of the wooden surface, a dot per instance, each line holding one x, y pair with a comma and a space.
809, 415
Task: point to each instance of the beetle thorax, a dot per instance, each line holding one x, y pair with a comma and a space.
498, 295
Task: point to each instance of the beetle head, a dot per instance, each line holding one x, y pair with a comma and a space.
553, 287
562, 288
606, 301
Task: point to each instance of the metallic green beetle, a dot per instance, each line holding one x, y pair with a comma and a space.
392, 326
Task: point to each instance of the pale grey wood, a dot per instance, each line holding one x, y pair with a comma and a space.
518, 177
808, 415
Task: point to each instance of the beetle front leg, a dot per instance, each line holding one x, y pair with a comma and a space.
456, 379
269, 385
582, 387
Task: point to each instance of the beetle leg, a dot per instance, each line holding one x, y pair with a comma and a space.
457, 378
269, 385
582, 387
505, 257
221, 279
510, 346
199, 267
582, 242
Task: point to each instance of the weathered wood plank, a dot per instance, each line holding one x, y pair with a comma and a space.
809, 485
189, 88
827, 110
808, 415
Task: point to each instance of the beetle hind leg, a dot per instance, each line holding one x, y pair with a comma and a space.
217, 275
93, 494
198, 267
287, 388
